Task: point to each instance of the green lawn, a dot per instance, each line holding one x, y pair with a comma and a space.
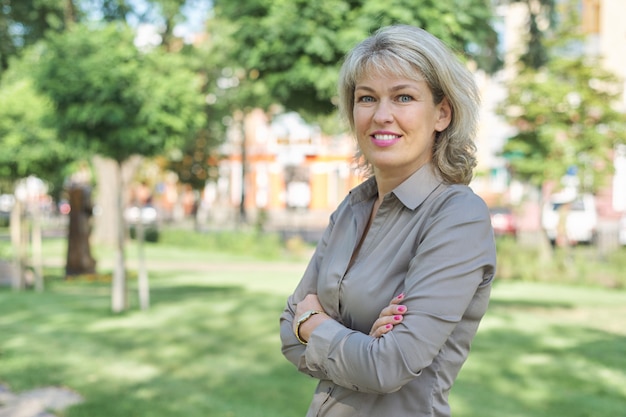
209, 344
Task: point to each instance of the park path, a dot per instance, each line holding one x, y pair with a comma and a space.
39, 402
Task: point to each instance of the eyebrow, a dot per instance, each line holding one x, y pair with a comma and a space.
393, 89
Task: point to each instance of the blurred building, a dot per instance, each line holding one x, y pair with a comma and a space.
282, 168
605, 38
603, 22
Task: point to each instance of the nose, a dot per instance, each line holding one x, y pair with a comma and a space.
383, 113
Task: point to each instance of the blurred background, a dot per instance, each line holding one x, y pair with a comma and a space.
152, 125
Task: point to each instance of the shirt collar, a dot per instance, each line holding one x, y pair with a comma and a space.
412, 192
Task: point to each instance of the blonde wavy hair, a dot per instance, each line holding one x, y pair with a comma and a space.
413, 53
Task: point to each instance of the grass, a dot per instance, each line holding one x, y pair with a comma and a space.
209, 345
208, 339
547, 350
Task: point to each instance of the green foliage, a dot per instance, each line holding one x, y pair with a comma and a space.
580, 266
252, 244
24, 22
298, 63
115, 100
27, 135
565, 115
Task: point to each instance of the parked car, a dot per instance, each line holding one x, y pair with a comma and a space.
149, 218
503, 221
580, 221
6, 205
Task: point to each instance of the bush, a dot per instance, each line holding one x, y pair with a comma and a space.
150, 233
246, 243
579, 265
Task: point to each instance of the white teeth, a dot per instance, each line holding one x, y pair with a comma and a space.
385, 137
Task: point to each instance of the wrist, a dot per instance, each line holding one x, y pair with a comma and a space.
304, 318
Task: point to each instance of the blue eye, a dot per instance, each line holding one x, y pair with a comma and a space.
405, 98
366, 99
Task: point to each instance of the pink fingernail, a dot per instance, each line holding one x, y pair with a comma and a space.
401, 309
400, 296
397, 317
388, 326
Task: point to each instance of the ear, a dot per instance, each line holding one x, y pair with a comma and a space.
444, 115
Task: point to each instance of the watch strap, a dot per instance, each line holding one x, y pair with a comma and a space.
303, 318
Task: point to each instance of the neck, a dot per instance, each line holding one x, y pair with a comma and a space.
388, 180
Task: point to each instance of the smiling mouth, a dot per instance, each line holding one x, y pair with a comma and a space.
383, 140
385, 137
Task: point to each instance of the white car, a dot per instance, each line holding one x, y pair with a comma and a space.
581, 219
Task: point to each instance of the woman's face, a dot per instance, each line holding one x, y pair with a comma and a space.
395, 121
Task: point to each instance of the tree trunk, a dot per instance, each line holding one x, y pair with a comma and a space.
36, 236
69, 13
243, 218
79, 259
106, 201
17, 279
119, 299
143, 283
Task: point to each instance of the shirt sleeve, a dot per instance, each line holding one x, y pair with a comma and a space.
454, 260
291, 347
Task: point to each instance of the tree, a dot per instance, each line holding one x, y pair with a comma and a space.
541, 19
227, 88
565, 114
114, 100
24, 22
27, 131
299, 62
28, 140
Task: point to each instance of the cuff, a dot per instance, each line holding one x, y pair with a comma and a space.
318, 349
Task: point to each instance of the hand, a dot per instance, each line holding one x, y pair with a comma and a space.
310, 302
389, 317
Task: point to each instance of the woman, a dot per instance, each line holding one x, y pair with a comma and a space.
392, 297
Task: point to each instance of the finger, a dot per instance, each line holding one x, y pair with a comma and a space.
400, 309
385, 324
392, 310
381, 330
387, 311
378, 324
397, 299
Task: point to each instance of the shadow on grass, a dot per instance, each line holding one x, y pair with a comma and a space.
552, 371
198, 351
214, 350
221, 347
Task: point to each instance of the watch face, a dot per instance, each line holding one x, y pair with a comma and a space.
306, 316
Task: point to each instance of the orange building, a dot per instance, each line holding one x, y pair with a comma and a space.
289, 167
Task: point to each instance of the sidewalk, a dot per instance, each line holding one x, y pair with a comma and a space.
37, 402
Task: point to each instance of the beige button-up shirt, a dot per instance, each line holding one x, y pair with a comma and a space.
433, 242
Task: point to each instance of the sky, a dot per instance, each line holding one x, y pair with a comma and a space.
195, 12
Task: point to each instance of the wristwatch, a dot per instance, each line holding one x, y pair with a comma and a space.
307, 315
